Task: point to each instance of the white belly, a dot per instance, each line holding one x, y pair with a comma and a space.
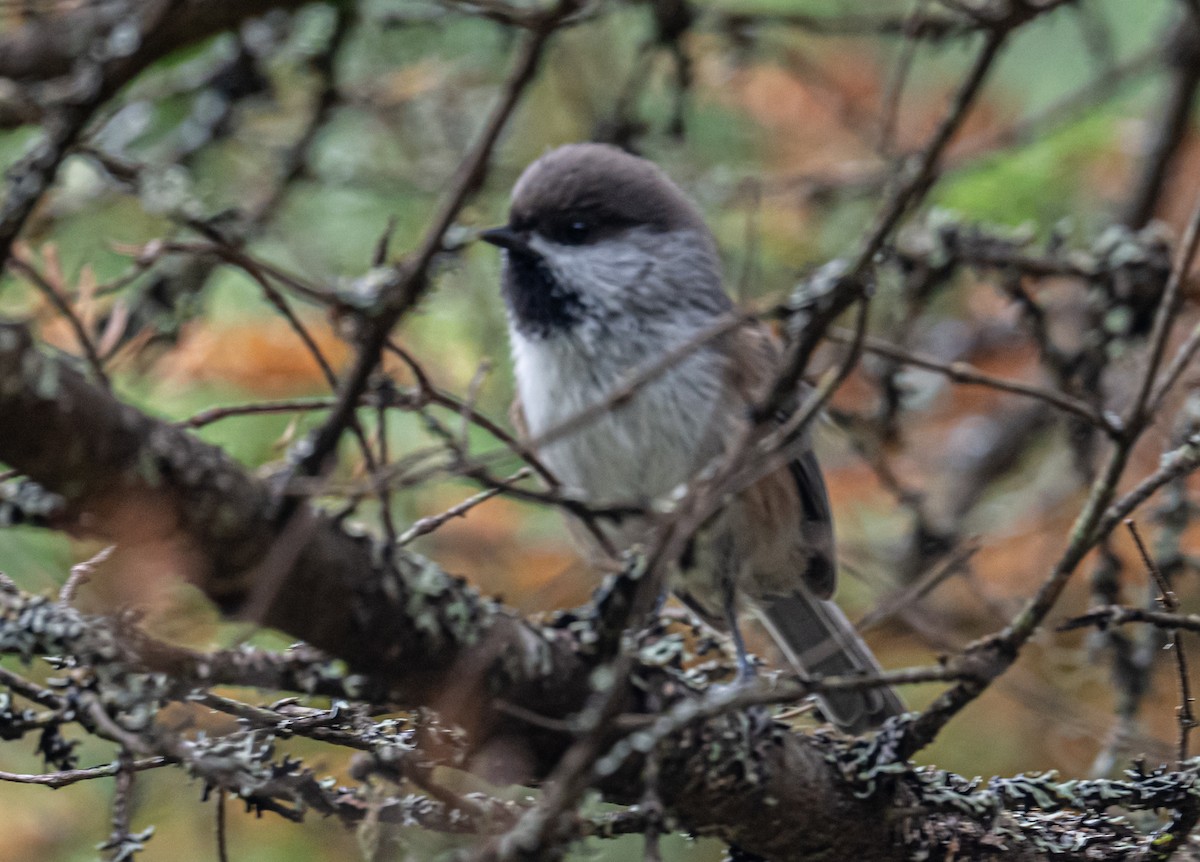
632, 451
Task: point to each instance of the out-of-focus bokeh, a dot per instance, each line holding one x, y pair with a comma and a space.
785, 133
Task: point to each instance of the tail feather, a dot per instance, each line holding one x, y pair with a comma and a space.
818, 640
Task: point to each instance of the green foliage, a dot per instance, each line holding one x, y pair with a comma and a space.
1042, 182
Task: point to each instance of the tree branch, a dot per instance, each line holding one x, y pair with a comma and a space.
427, 638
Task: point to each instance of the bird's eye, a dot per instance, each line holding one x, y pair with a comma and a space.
570, 231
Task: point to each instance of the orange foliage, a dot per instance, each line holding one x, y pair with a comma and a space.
822, 113
263, 356
531, 576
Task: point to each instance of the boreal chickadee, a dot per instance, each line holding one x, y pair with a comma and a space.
608, 266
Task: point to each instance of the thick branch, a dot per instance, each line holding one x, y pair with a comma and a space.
142, 481
47, 46
427, 637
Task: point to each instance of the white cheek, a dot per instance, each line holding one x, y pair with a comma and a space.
601, 274
650, 274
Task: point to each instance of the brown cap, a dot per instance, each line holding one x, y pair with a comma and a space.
604, 184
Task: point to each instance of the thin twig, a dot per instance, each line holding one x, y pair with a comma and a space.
1174, 465
427, 525
400, 295
440, 397
964, 372
1121, 615
222, 843
897, 602
1168, 599
81, 573
1168, 308
54, 780
122, 807
894, 92
258, 408
1165, 594
237, 257
63, 306
1095, 520
910, 190
917, 181
1182, 53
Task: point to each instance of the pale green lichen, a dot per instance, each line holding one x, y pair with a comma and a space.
148, 468
41, 377
1037, 810
668, 650
225, 521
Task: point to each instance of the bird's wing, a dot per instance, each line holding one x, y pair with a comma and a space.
789, 507
816, 525
792, 572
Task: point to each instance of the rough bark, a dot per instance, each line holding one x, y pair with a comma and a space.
431, 640
48, 46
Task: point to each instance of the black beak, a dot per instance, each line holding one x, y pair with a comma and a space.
507, 238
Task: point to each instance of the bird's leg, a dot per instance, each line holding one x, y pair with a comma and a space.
658, 603
745, 671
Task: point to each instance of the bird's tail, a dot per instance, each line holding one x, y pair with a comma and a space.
818, 640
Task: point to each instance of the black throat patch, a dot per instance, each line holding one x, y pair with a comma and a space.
540, 304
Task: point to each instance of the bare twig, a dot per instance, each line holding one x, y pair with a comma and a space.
1172, 299
963, 372
63, 306
433, 395
67, 777
1187, 719
222, 842
81, 573
427, 525
1120, 615
1092, 524
909, 190
894, 92
409, 283
257, 408
897, 602
1183, 59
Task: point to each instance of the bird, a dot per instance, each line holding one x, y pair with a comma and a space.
608, 267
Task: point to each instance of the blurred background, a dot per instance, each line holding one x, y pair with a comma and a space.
320, 132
